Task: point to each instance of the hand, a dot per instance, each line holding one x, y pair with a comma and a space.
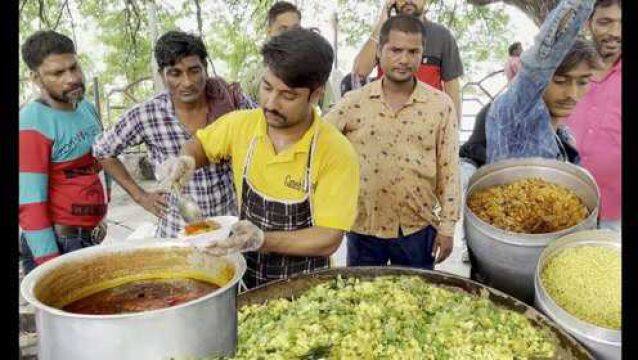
176, 170
154, 202
383, 16
443, 246
244, 236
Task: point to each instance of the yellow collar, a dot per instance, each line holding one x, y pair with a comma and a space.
303, 144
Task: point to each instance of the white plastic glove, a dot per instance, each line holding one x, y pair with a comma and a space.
244, 236
176, 170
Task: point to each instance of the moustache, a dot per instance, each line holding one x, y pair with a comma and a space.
275, 113
567, 103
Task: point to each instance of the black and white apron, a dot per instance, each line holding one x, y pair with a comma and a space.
277, 215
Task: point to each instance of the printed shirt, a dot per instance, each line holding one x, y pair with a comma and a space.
596, 125
280, 176
409, 160
441, 60
518, 123
59, 178
155, 124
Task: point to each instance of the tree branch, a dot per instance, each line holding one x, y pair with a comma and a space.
57, 21
198, 13
24, 2
42, 15
537, 10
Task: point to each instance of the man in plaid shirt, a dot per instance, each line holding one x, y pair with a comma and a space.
165, 122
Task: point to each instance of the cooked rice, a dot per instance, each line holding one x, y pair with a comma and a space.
585, 281
529, 206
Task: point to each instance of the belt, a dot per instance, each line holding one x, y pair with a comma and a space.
68, 230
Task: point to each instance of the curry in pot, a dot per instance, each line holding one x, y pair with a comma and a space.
138, 296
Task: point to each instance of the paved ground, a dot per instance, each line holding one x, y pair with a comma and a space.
125, 218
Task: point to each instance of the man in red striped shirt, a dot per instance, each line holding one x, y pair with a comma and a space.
62, 199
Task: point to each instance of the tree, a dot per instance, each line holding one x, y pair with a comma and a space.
234, 30
537, 10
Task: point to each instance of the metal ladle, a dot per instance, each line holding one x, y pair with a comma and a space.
187, 206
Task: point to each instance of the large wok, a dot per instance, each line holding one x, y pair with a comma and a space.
567, 347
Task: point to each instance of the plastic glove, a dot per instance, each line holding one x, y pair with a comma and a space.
244, 236
176, 170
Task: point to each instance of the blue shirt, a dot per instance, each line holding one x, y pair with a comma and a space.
518, 124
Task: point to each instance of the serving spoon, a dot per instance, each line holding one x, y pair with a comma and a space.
187, 206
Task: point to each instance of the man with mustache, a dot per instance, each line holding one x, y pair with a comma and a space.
441, 65
62, 199
596, 121
297, 177
192, 100
527, 120
405, 133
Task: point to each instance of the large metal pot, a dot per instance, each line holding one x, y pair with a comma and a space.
507, 260
567, 347
604, 343
203, 327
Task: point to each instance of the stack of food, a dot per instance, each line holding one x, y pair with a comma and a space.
389, 317
529, 206
585, 281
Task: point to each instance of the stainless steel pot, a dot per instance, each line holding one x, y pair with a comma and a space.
566, 347
507, 260
203, 327
604, 343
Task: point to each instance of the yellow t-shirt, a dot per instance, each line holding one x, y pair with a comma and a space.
334, 167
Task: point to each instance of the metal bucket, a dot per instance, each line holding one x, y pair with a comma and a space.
507, 260
604, 343
567, 348
202, 327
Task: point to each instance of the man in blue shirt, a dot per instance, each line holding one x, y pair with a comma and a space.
525, 121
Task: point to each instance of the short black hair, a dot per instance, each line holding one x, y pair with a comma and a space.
281, 7
42, 44
513, 47
173, 46
582, 50
299, 57
404, 23
604, 3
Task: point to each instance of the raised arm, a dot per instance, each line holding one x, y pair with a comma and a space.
366, 60
508, 123
554, 40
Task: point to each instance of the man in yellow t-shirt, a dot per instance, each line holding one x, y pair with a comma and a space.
297, 177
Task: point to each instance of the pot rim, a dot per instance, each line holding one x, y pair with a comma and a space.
561, 316
528, 240
29, 282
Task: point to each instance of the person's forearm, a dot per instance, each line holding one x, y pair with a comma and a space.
556, 37
453, 89
313, 241
117, 170
366, 59
194, 149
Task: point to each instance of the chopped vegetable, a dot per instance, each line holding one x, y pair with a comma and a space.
391, 317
